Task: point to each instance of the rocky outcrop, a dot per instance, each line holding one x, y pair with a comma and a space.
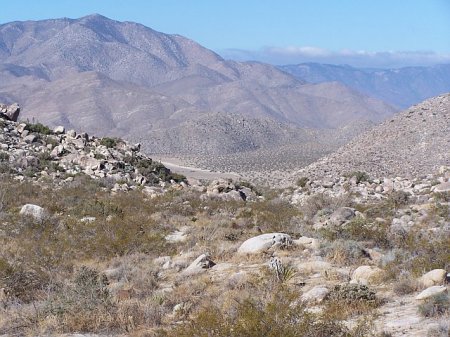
34, 211
33, 150
10, 112
200, 265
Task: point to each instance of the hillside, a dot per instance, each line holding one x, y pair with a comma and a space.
412, 143
401, 87
98, 239
124, 79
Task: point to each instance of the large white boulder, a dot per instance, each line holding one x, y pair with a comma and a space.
433, 277
366, 275
35, 211
264, 242
431, 291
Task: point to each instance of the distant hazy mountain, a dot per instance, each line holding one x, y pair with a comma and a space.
401, 87
125, 79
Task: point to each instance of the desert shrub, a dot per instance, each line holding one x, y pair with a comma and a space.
346, 252
351, 292
398, 198
271, 215
38, 128
153, 170
279, 316
301, 182
435, 306
405, 285
360, 176
4, 156
442, 329
109, 142
20, 282
83, 305
417, 253
359, 229
349, 300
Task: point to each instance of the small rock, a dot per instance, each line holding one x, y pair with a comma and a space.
341, 215
30, 139
200, 264
34, 211
71, 133
443, 187
431, 291
59, 130
307, 242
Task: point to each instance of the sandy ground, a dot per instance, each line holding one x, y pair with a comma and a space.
178, 166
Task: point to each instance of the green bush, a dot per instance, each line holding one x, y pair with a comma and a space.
359, 229
38, 128
301, 182
359, 175
109, 142
280, 316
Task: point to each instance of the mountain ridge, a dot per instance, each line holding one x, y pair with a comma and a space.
400, 87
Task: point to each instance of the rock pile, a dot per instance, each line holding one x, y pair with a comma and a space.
33, 150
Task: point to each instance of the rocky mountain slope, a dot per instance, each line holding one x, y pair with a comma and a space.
121, 78
401, 87
412, 143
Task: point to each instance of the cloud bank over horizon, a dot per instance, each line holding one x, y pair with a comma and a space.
355, 58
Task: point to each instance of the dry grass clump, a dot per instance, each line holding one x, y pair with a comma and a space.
435, 306
359, 229
348, 300
405, 285
280, 314
344, 252
417, 253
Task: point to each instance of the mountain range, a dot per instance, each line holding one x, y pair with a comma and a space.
400, 87
178, 98
123, 78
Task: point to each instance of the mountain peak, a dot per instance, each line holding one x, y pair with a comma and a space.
94, 16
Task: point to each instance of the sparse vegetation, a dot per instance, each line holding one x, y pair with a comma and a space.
38, 128
109, 142
435, 306
122, 250
359, 176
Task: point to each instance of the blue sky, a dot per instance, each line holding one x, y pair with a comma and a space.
357, 32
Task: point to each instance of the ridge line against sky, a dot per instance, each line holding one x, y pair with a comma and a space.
364, 33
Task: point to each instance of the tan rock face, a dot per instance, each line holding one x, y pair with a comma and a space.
431, 291
433, 277
367, 275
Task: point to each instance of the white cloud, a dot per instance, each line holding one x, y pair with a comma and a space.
357, 58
